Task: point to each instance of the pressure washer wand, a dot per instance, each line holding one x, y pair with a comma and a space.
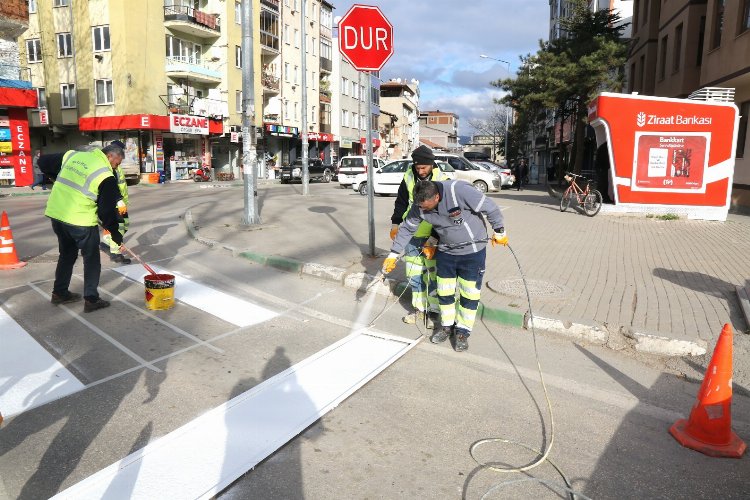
148, 268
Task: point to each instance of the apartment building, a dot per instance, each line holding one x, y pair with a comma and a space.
349, 101
16, 96
439, 129
399, 117
682, 46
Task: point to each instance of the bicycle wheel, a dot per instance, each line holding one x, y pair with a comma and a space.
592, 203
565, 201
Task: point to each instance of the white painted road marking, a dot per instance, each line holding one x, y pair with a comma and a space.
222, 305
29, 375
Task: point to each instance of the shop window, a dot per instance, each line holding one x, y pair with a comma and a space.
100, 34
64, 45
104, 92
68, 95
34, 50
742, 132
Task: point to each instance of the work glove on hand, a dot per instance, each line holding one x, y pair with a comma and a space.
389, 264
122, 209
500, 237
429, 248
394, 231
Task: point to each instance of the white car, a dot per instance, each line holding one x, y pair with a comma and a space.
388, 179
483, 180
506, 175
351, 166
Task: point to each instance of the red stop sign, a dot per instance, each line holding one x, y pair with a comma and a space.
365, 38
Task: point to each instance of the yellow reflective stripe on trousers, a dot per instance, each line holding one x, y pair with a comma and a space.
465, 318
468, 289
414, 265
446, 287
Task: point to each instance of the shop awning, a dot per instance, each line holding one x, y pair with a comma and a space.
137, 122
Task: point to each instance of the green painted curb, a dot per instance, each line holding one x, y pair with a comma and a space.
502, 316
258, 258
285, 264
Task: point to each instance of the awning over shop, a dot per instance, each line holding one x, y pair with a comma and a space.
138, 122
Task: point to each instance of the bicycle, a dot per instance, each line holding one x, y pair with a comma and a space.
589, 199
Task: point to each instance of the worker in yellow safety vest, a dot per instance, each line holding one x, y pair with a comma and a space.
418, 254
84, 195
107, 245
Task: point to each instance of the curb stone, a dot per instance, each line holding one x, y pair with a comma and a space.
576, 330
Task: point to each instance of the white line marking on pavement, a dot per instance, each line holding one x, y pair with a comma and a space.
222, 305
206, 455
154, 317
29, 375
100, 332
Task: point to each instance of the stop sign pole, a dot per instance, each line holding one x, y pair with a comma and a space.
366, 41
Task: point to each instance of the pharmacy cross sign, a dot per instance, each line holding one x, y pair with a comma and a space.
365, 38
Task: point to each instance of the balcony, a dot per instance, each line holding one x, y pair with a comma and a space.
325, 31
192, 22
196, 106
271, 84
196, 71
271, 4
326, 65
18, 76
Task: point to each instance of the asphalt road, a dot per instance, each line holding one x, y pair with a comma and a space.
406, 434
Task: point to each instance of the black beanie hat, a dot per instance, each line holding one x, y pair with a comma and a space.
119, 144
423, 156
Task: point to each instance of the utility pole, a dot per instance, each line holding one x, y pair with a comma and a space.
303, 133
249, 155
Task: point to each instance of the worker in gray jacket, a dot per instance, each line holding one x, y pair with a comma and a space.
455, 209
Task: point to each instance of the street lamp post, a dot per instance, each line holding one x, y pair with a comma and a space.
507, 115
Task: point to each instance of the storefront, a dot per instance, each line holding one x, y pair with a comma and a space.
320, 146
16, 167
280, 143
175, 145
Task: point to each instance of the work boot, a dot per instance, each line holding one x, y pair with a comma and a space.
418, 317
460, 342
90, 306
65, 298
118, 257
441, 334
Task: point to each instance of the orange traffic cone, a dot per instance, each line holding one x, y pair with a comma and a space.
8, 256
709, 429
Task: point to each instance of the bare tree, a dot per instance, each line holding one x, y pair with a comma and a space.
494, 125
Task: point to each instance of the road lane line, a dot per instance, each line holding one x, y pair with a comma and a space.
29, 375
99, 332
156, 318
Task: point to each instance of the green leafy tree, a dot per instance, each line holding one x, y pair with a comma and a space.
566, 74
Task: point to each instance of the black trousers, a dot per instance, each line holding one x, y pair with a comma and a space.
71, 239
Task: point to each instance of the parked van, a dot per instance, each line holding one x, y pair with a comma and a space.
350, 166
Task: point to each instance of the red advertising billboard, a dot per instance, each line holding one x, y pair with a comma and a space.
668, 154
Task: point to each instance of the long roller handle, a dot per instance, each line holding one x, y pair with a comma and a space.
148, 268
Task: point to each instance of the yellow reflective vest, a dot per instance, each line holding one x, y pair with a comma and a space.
425, 228
74, 194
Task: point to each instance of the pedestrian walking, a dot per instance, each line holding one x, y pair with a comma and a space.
84, 194
419, 261
455, 210
108, 245
38, 175
522, 171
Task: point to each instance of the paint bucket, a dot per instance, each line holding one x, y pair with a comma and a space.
159, 291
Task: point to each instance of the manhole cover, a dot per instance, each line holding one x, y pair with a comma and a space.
515, 288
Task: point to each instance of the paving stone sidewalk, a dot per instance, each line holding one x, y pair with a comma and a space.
661, 286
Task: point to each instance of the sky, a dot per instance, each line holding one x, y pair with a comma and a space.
438, 42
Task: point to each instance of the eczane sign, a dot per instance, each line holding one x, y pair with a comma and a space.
186, 124
365, 38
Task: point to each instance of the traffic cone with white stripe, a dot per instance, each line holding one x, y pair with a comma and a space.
8, 255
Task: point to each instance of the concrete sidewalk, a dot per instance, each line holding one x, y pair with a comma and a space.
659, 286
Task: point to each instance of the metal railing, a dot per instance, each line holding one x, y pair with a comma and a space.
270, 81
183, 13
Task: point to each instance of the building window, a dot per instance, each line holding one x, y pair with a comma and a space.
742, 132
32, 6
307, 44
663, 58
68, 95
41, 97
296, 39
718, 23
295, 110
314, 79
312, 115
677, 56
631, 78
355, 120
100, 35
325, 49
344, 86
64, 45
237, 56
344, 118
744, 21
643, 73
269, 29
286, 34
296, 76
314, 44
60, 3
286, 110
644, 17
238, 101
104, 92
34, 50
237, 13
183, 51
286, 71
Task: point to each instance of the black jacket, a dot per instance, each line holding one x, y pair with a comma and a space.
106, 203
